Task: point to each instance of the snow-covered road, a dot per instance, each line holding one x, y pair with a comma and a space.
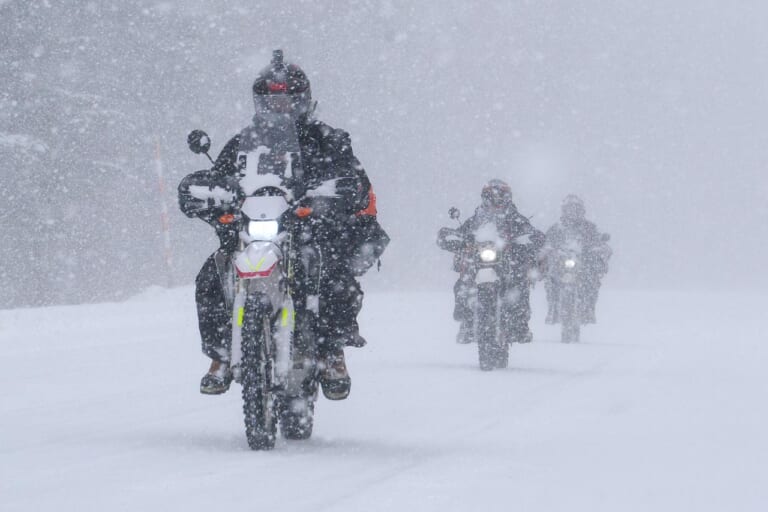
662, 407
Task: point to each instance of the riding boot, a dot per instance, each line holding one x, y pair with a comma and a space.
466, 333
217, 380
334, 378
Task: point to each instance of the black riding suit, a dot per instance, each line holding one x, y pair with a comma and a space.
520, 259
595, 254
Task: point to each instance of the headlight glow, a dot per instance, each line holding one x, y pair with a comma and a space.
569, 263
488, 255
262, 229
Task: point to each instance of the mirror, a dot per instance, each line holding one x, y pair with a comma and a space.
198, 141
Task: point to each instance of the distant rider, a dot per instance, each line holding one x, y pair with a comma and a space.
574, 228
523, 241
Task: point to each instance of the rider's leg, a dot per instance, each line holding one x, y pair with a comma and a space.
516, 313
591, 290
463, 311
340, 303
214, 321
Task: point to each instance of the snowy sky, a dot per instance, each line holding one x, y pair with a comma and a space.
651, 111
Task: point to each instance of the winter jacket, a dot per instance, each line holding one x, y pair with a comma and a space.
595, 250
322, 173
522, 240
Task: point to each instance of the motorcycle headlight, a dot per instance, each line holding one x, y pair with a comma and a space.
569, 263
488, 255
262, 229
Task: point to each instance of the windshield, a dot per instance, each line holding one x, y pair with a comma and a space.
264, 207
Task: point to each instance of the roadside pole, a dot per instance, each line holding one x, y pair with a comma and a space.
167, 256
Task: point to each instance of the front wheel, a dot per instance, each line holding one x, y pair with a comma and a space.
492, 350
257, 376
569, 315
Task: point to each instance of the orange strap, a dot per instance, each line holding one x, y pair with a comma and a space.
371, 208
303, 211
227, 218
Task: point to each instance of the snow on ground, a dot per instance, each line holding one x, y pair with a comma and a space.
662, 407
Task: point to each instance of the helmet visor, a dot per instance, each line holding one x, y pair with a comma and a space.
292, 105
573, 210
496, 197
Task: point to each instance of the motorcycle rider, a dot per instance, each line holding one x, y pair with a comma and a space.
316, 163
498, 209
573, 225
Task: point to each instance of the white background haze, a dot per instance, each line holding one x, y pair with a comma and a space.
652, 111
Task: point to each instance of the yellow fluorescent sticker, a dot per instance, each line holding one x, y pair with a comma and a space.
284, 322
240, 313
258, 265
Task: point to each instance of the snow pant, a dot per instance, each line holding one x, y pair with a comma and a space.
340, 299
465, 296
515, 308
214, 318
591, 290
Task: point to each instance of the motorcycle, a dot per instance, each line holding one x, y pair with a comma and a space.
568, 269
488, 269
272, 353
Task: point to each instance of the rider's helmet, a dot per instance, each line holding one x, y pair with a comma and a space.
496, 195
572, 208
281, 90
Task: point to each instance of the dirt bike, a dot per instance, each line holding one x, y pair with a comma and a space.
272, 353
568, 271
488, 270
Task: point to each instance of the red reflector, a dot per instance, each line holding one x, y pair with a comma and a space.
277, 86
262, 273
303, 211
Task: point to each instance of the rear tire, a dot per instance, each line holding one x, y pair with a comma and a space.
257, 376
502, 356
297, 418
570, 333
297, 410
491, 354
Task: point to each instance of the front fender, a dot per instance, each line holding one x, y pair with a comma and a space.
487, 275
258, 259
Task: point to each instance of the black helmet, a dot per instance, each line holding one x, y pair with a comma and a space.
496, 195
573, 208
281, 90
